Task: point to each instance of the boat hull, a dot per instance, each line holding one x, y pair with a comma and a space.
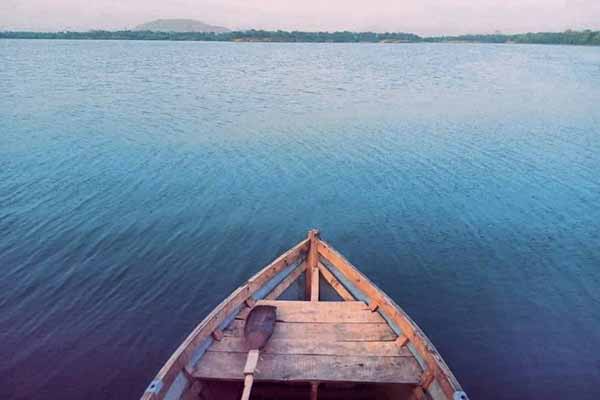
336, 334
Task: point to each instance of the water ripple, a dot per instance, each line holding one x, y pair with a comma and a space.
141, 182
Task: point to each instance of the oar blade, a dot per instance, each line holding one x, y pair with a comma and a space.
259, 326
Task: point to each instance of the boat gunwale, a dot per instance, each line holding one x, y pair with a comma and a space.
177, 362
436, 373
434, 362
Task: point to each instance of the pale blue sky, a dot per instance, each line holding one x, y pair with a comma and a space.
420, 16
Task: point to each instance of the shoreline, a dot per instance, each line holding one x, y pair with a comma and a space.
568, 38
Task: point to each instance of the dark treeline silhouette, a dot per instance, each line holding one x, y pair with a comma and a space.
586, 37
251, 35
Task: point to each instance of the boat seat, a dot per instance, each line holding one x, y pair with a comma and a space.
316, 341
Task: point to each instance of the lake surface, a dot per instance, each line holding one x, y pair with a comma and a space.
142, 182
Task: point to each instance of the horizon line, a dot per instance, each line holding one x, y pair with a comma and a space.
230, 31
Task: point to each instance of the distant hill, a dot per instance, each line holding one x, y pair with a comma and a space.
179, 25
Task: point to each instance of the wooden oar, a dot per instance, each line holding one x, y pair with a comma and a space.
257, 331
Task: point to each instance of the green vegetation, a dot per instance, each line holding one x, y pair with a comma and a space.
250, 36
586, 37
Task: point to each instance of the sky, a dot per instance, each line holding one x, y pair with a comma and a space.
424, 17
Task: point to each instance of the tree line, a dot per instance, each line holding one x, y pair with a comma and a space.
586, 37
250, 35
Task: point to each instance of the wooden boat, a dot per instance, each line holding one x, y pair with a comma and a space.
336, 335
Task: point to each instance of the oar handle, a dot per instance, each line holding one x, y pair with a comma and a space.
249, 369
248, 381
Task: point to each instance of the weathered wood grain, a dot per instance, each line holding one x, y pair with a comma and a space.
323, 331
349, 341
322, 312
183, 354
314, 285
311, 368
308, 344
312, 260
427, 352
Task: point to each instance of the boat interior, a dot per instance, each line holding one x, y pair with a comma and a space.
336, 336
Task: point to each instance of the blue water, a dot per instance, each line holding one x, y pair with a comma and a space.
141, 182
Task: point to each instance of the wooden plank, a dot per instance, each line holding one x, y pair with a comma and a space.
426, 379
312, 260
314, 390
286, 306
426, 350
291, 278
314, 345
314, 285
402, 340
184, 352
323, 331
320, 312
311, 368
335, 284
217, 335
